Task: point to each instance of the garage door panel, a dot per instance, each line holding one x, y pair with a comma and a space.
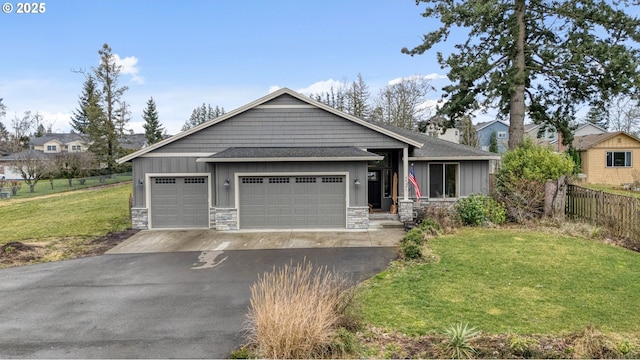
293, 202
179, 202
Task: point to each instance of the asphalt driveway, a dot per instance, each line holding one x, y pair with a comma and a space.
152, 305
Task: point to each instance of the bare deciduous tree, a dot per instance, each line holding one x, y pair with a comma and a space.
403, 103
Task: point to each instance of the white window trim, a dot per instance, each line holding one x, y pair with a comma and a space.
443, 181
606, 156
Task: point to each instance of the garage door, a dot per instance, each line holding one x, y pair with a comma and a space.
292, 202
179, 202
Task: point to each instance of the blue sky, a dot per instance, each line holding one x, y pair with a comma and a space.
225, 53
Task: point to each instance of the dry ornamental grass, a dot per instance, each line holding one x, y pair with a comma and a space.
295, 312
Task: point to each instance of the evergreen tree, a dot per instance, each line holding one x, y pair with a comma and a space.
468, 134
152, 127
107, 127
493, 143
88, 103
202, 114
539, 58
598, 116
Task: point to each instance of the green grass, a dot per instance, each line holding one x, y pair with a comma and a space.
86, 213
612, 189
44, 187
502, 281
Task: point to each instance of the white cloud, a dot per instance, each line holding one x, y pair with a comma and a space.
274, 88
432, 76
129, 66
321, 87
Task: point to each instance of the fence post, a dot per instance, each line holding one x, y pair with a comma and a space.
550, 188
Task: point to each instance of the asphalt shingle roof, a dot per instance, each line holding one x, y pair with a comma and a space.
437, 148
291, 152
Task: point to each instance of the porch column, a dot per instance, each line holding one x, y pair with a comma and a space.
405, 173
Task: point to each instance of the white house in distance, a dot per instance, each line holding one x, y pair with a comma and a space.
53, 143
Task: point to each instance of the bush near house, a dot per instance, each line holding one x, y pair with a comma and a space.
522, 175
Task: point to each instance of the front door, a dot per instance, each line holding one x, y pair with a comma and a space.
375, 188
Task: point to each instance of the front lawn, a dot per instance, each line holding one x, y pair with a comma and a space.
618, 190
509, 281
79, 214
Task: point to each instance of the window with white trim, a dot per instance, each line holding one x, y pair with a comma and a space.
443, 180
501, 135
618, 158
76, 148
51, 148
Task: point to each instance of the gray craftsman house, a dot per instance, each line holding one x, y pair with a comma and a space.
285, 161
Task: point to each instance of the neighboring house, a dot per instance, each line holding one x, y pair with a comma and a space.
53, 143
608, 158
484, 131
450, 134
582, 130
6, 163
286, 161
548, 136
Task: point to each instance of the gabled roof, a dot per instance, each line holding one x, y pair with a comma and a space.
588, 141
584, 125
481, 125
261, 101
60, 138
26, 154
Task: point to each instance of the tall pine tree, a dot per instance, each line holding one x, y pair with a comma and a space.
202, 114
538, 58
152, 127
106, 129
88, 106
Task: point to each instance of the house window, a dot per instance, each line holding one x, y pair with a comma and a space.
443, 181
502, 135
76, 148
618, 158
51, 148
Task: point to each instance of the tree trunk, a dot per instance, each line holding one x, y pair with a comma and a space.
516, 104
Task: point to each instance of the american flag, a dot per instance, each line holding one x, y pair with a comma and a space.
412, 179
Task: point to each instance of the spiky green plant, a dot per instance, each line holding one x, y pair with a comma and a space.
457, 344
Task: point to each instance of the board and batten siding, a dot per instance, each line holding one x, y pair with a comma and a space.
282, 127
167, 166
357, 193
594, 161
473, 177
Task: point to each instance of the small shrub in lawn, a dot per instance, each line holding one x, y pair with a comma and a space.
411, 250
411, 244
524, 346
457, 343
415, 236
295, 312
430, 227
478, 209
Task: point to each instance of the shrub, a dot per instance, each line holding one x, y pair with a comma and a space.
443, 216
411, 250
521, 177
430, 227
295, 311
411, 244
477, 209
457, 343
524, 346
415, 235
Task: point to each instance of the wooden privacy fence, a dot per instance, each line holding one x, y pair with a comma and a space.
618, 213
